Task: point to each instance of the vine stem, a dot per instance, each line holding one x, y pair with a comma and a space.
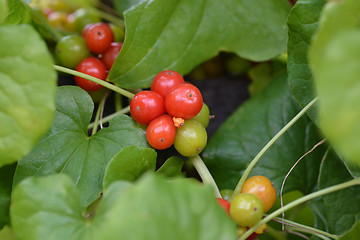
204, 173
247, 171
96, 80
300, 201
291, 169
305, 228
99, 113
109, 117
108, 17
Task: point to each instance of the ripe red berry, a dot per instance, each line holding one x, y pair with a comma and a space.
93, 67
224, 204
164, 81
184, 101
108, 57
98, 37
146, 106
161, 132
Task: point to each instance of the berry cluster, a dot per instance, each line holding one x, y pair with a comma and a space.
247, 208
174, 113
92, 53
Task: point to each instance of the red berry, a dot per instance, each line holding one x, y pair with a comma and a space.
93, 67
146, 106
108, 57
224, 204
161, 132
184, 101
98, 37
164, 81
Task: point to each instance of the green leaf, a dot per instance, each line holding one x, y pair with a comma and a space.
28, 83
123, 5
17, 12
303, 23
153, 208
3, 10
172, 167
6, 178
7, 233
353, 233
184, 33
337, 79
341, 207
67, 148
247, 131
129, 164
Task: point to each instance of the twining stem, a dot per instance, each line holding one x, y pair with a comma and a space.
300, 201
109, 117
204, 173
305, 228
297, 230
96, 80
247, 171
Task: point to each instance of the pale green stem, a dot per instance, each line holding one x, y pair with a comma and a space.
247, 171
96, 80
292, 229
118, 102
300, 201
108, 17
204, 173
109, 117
305, 228
98, 114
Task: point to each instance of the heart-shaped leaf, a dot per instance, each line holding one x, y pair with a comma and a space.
153, 208
302, 22
67, 148
129, 164
6, 177
341, 207
28, 83
181, 34
247, 131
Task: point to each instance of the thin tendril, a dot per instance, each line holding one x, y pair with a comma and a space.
288, 174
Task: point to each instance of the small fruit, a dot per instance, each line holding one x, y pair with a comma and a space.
184, 100
190, 139
203, 116
93, 67
246, 209
226, 194
261, 187
146, 106
224, 204
71, 50
161, 132
98, 37
164, 81
83, 17
108, 57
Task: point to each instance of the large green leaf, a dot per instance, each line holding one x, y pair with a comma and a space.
6, 177
180, 34
27, 97
129, 164
122, 5
250, 127
153, 208
3, 10
302, 22
337, 78
18, 13
67, 148
341, 207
